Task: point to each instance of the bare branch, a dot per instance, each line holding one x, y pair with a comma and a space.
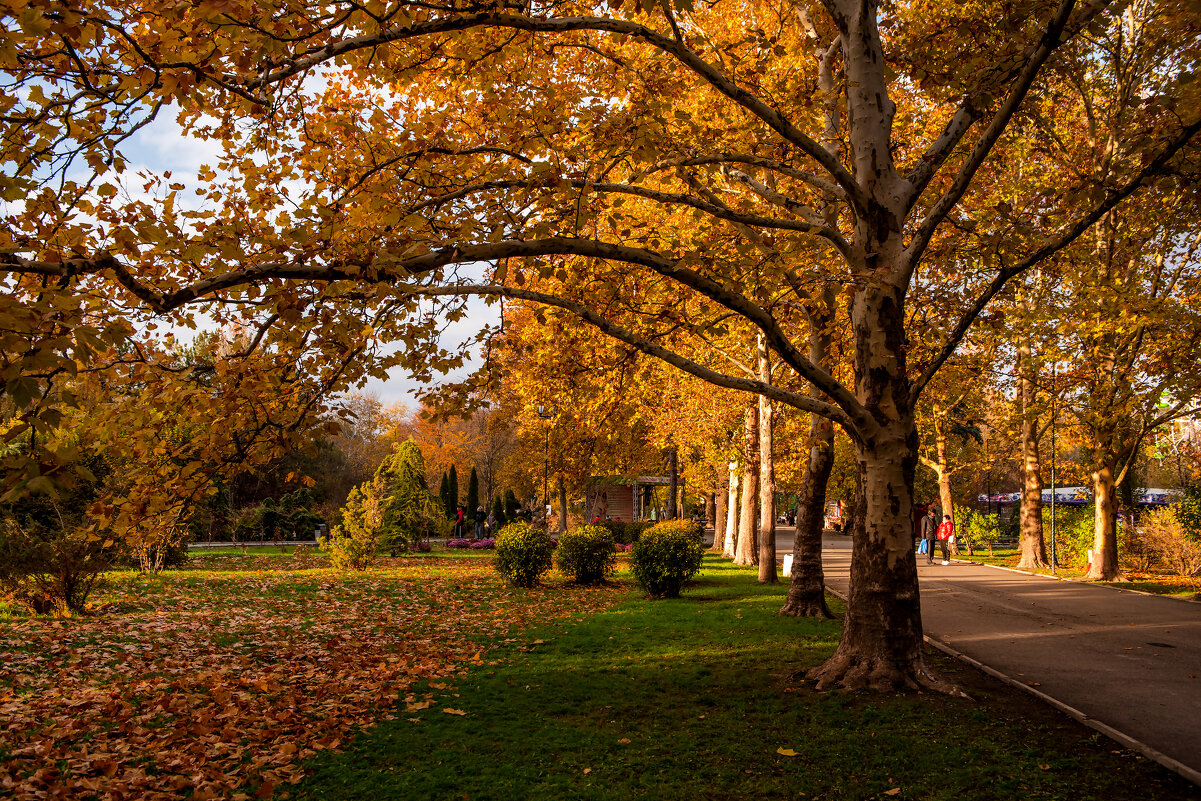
815, 181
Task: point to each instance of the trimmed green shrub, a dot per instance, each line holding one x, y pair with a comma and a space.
587, 554
666, 556
523, 553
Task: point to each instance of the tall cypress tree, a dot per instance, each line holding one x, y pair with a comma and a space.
444, 493
473, 494
511, 504
498, 511
452, 492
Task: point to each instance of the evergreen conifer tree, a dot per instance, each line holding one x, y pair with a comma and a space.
452, 492
393, 511
473, 494
444, 493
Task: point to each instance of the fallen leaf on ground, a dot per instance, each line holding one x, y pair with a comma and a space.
224, 676
786, 752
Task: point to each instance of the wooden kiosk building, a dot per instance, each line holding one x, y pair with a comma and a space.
625, 499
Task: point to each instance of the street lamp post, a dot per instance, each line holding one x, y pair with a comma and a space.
1054, 365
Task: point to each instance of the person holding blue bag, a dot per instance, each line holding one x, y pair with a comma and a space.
929, 527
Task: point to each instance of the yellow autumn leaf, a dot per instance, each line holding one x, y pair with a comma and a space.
786, 752
454, 711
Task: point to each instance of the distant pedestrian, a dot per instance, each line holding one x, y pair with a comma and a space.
946, 532
460, 517
480, 523
929, 527
491, 523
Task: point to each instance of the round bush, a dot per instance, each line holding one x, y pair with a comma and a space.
666, 556
587, 554
523, 553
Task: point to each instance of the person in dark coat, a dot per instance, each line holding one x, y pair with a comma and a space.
480, 523
929, 527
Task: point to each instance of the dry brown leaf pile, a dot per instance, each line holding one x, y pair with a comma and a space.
220, 679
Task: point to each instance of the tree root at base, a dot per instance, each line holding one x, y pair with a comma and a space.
807, 607
847, 672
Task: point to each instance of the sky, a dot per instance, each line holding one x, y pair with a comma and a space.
162, 145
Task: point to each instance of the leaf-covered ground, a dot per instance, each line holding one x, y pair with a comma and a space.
218, 680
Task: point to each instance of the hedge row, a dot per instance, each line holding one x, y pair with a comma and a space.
664, 557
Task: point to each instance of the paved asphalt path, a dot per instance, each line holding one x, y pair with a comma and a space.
1128, 661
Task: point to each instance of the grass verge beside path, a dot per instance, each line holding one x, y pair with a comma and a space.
1155, 583
693, 699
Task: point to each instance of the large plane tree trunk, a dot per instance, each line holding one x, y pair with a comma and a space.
731, 536
767, 477
720, 501
1032, 547
807, 581
881, 645
1105, 540
745, 552
673, 488
807, 584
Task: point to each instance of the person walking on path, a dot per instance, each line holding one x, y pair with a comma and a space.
929, 526
946, 533
480, 523
459, 517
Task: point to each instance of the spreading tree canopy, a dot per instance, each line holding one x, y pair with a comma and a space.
654, 169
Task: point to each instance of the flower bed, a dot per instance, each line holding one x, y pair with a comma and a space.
473, 544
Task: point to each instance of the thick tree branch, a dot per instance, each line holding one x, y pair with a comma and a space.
802, 402
1051, 245
676, 49
387, 269
1051, 40
721, 211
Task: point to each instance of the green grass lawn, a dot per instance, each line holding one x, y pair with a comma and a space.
697, 698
